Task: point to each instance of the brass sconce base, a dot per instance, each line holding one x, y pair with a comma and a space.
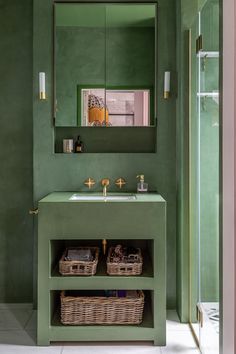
166, 95
42, 96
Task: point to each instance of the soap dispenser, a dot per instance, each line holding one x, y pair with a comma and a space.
142, 186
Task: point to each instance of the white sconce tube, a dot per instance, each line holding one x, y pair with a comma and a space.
42, 86
167, 84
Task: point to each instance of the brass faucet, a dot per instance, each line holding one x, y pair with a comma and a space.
105, 183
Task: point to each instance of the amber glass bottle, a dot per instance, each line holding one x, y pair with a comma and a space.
79, 146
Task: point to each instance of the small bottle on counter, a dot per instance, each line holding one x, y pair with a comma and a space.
79, 146
142, 187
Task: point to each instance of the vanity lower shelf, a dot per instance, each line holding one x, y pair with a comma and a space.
143, 331
73, 283
144, 281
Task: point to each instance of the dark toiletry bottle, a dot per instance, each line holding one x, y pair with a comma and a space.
121, 293
79, 146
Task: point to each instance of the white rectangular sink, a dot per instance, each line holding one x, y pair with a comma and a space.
118, 197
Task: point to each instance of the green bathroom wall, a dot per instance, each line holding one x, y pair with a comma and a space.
59, 172
121, 61
100, 14
16, 150
189, 11
184, 13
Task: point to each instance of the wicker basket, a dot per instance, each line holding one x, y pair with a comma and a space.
79, 267
85, 310
124, 268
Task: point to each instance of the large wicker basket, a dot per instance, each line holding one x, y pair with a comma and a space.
85, 310
124, 268
79, 267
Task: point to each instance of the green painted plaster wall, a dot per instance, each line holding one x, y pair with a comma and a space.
95, 56
100, 14
189, 11
182, 126
16, 228
55, 171
58, 172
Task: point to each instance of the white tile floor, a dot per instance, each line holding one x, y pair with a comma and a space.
18, 333
210, 334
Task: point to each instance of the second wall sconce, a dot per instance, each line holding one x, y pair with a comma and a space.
42, 86
167, 84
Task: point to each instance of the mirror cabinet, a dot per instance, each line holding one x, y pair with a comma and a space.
104, 66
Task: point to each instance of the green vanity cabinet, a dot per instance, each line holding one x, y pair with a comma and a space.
64, 222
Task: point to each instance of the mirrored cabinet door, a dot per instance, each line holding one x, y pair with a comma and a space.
79, 64
130, 64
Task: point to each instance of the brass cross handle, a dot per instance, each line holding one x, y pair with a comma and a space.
89, 182
33, 211
120, 182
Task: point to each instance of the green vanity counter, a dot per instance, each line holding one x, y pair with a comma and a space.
64, 197
63, 222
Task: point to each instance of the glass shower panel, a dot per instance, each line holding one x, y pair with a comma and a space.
193, 176
209, 225
204, 178
208, 172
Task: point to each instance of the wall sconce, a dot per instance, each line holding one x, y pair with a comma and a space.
167, 85
42, 89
